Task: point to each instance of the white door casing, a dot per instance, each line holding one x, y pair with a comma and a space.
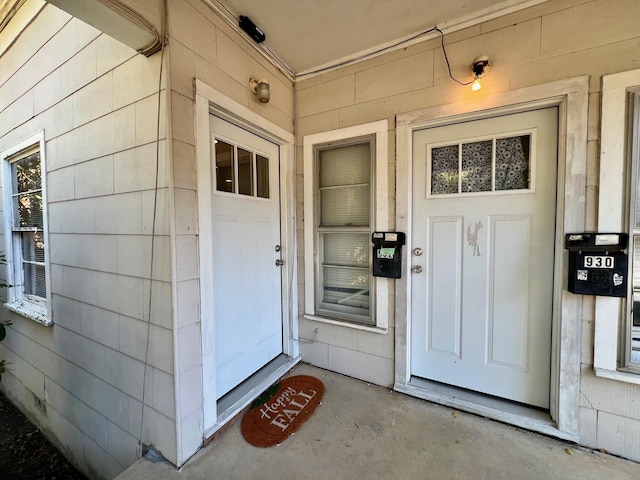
482, 305
246, 245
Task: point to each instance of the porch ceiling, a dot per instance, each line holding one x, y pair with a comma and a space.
309, 34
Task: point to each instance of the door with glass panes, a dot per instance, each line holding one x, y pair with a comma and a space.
246, 253
483, 226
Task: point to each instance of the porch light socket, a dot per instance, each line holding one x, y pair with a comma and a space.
479, 68
261, 88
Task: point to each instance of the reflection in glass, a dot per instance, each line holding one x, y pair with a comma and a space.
476, 166
35, 280
245, 172
262, 176
444, 169
33, 246
346, 278
512, 162
225, 175
26, 173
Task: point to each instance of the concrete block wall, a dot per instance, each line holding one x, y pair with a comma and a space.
555, 40
202, 46
81, 379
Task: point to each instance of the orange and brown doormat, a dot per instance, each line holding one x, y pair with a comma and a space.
281, 410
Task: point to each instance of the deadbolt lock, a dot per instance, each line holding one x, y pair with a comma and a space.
417, 252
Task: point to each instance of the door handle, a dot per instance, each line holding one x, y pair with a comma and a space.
416, 269
279, 263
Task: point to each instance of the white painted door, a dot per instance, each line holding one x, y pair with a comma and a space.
484, 204
246, 245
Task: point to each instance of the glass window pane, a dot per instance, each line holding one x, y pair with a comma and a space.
34, 280
26, 173
344, 206
444, 170
262, 176
245, 172
346, 290
476, 166
348, 165
512, 163
225, 175
28, 209
32, 246
346, 249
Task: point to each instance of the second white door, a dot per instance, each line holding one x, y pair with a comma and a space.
484, 203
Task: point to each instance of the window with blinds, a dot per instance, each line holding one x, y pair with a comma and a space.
343, 232
28, 225
25, 230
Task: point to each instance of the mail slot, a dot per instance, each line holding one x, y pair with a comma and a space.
598, 264
387, 254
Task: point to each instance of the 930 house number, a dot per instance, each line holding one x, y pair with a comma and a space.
598, 261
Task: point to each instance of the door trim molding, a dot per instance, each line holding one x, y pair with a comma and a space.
571, 97
209, 100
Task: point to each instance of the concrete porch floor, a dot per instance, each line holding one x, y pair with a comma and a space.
369, 432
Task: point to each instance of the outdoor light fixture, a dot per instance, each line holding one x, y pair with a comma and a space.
479, 68
261, 88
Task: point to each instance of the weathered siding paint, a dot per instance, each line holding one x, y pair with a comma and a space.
556, 40
96, 101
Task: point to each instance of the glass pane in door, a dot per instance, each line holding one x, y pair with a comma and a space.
444, 169
476, 170
245, 172
512, 162
262, 176
225, 175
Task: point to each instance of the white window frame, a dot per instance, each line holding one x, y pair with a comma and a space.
380, 287
29, 306
611, 322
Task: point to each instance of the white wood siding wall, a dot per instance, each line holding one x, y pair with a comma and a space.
96, 101
552, 41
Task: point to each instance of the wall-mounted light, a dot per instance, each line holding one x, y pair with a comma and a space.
261, 88
479, 68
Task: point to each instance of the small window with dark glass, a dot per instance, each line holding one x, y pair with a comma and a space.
241, 171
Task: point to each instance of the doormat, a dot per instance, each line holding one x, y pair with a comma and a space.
281, 410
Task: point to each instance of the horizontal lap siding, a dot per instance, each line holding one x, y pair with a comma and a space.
96, 101
555, 40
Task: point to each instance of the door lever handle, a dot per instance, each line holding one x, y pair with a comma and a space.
279, 263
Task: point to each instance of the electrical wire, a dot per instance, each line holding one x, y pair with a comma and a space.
391, 47
163, 43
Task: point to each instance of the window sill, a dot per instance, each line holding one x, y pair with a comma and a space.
357, 326
37, 313
618, 375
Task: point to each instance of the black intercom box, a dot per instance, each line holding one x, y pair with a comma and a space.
598, 264
387, 254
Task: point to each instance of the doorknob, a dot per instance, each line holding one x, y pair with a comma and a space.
279, 263
416, 269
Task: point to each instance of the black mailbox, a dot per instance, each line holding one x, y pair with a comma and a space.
597, 263
387, 254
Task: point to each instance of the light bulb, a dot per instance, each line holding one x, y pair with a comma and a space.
475, 86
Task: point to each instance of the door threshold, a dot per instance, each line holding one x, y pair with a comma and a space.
519, 415
231, 404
